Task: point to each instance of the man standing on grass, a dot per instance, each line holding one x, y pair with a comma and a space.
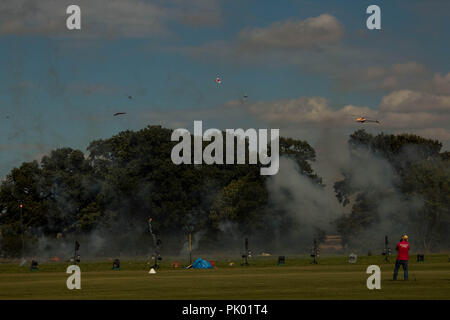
402, 257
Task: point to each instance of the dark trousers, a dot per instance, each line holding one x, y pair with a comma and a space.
404, 264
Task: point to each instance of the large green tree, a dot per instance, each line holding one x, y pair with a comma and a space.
120, 182
416, 171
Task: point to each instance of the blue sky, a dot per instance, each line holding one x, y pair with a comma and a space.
60, 88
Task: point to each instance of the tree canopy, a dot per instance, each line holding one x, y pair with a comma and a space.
414, 197
123, 180
110, 191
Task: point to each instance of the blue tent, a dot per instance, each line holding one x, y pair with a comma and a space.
201, 264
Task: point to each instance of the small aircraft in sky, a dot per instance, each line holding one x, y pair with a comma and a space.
218, 80
363, 119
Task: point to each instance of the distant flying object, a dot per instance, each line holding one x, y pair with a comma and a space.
119, 113
130, 97
218, 80
362, 120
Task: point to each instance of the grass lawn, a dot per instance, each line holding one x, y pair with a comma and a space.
332, 278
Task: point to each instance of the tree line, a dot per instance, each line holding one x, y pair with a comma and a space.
120, 182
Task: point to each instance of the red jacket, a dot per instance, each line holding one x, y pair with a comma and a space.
403, 249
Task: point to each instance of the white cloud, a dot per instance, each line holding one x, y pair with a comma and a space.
324, 29
197, 12
417, 112
441, 84
393, 77
441, 134
105, 18
98, 18
385, 77
400, 111
305, 110
408, 101
408, 68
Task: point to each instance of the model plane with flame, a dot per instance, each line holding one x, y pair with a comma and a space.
363, 120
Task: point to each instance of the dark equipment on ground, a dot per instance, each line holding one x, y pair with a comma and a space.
315, 252
76, 256
34, 265
387, 251
116, 264
247, 254
190, 248
420, 258
157, 243
157, 255
352, 258
22, 229
281, 260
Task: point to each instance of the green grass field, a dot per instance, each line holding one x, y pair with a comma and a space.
332, 278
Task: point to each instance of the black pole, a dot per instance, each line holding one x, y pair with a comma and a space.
157, 254
386, 249
156, 243
246, 251
21, 226
245, 255
190, 249
315, 251
75, 254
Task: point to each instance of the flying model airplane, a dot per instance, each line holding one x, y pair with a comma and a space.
362, 120
218, 80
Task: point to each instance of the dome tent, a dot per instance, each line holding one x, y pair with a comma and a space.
201, 264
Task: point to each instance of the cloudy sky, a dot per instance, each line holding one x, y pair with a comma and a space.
308, 67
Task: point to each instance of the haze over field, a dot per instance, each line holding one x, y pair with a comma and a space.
87, 106
306, 67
